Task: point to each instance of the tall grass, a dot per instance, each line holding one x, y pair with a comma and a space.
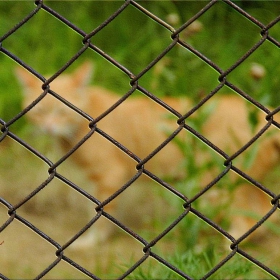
134, 40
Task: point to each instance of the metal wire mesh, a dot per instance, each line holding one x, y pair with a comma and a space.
134, 79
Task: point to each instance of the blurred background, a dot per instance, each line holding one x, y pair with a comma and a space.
132, 39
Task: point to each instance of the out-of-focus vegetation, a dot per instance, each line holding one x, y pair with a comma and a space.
134, 40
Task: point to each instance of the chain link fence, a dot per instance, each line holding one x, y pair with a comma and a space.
176, 38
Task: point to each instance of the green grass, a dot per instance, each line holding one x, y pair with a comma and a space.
196, 266
138, 41
134, 40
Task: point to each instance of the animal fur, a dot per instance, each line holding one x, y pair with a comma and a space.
141, 125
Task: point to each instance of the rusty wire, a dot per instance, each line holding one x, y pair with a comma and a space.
86, 39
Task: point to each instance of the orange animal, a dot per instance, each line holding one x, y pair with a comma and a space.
141, 125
